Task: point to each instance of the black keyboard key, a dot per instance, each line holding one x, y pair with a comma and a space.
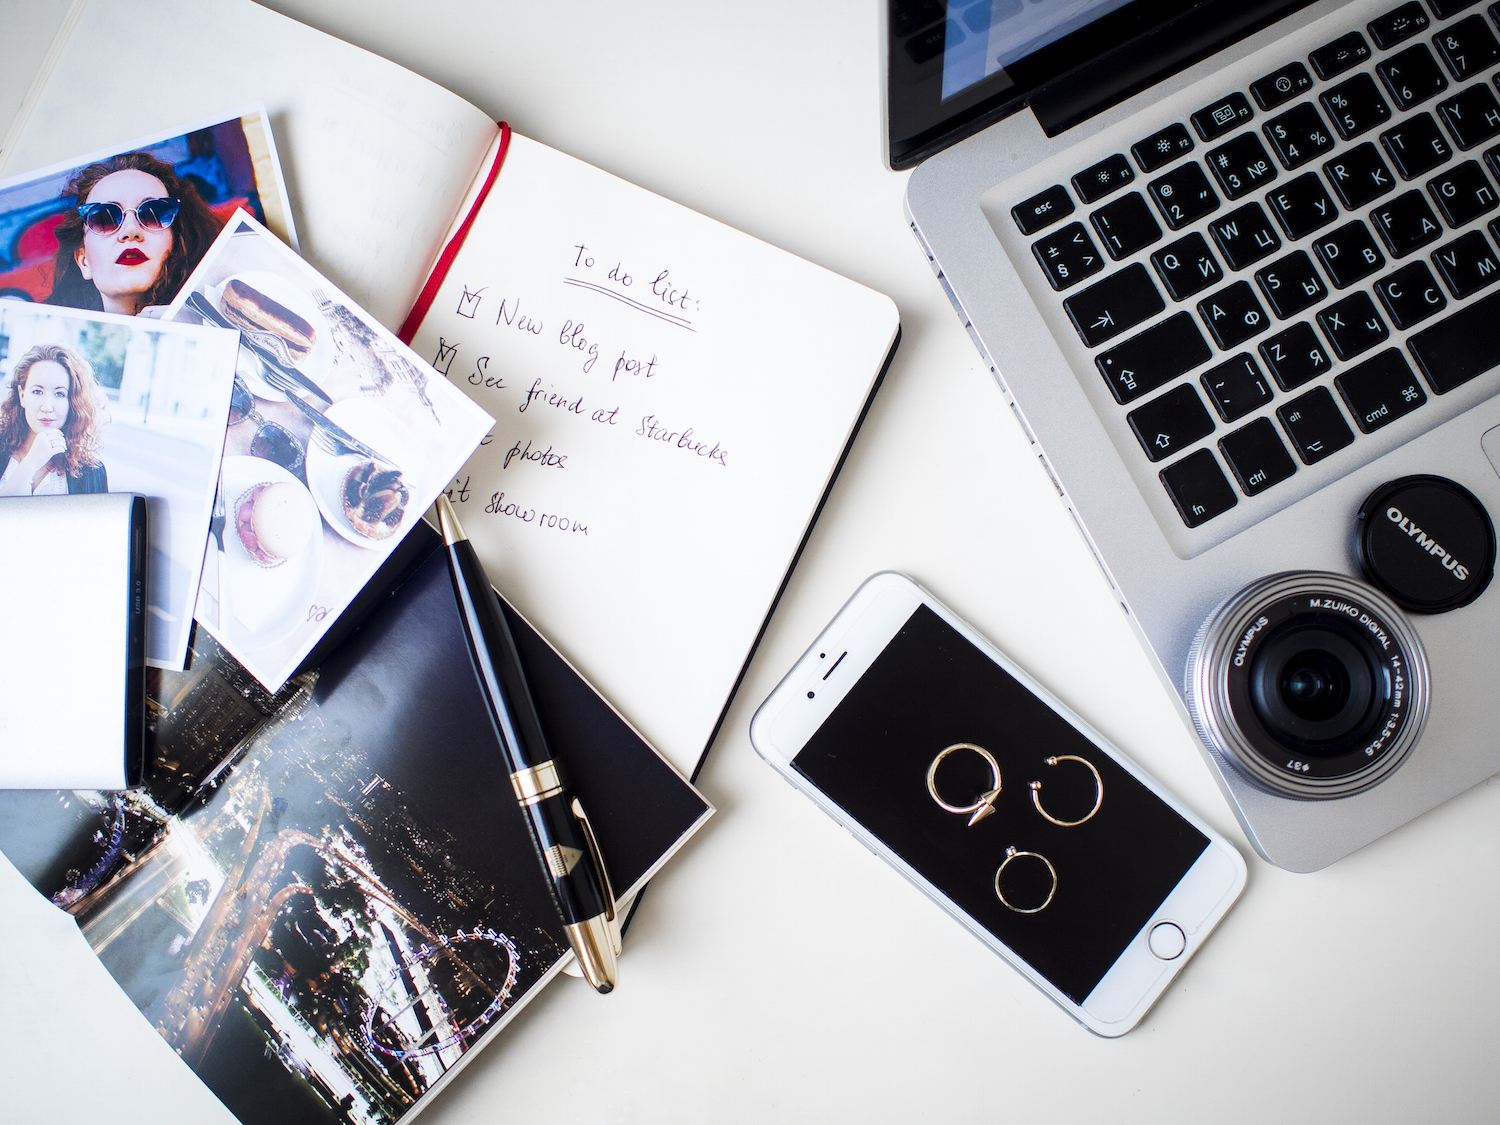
1183, 195
1281, 86
1042, 209
1460, 348
1380, 390
1233, 315
1412, 76
1125, 225
1472, 116
1198, 488
1154, 358
1410, 295
1398, 25
1169, 424
1462, 193
1298, 135
932, 42
1405, 223
1445, 8
908, 15
1068, 256
1162, 147
1301, 206
1291, 284
1236, 387
1256, 457
1245, 236
1118, 303
1352, 325
1467, 265
1344, 53
1187, 266
1492, 158
1294, 356
1314, 424
1355, 106
1467, 47
1099, 180
1241, 166
1348, 254
1416, 146
1224, 116
1359, 176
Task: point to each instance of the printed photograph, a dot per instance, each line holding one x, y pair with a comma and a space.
340, 437
121, 231
91, 402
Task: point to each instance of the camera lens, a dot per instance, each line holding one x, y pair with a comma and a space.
1314, 685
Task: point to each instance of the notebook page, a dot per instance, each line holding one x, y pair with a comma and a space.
376, 158
671, 398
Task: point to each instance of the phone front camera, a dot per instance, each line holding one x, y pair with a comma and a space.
1313, 685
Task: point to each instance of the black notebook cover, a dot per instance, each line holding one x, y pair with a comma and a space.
325, 927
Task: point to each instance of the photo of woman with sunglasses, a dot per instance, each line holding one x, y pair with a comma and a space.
135, 234
50, 420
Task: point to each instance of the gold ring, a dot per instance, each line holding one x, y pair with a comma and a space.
1036, 788
1010, 854
986, 803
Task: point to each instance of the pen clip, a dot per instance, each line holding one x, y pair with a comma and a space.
598, 858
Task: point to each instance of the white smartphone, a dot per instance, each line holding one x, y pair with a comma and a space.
902, 722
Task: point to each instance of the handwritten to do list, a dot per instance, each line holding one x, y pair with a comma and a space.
671, 399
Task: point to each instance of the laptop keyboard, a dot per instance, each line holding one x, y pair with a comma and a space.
1378, 153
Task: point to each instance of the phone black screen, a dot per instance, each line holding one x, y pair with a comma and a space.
931, 688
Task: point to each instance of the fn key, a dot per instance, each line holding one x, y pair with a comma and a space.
1198, 488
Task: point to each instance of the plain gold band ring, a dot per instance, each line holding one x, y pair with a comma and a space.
986, 803
1010, 854
1036, 788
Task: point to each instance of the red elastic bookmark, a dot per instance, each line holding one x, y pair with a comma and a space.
455, 244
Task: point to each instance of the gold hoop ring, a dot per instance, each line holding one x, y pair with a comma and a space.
1036, 788
986, 803
1010, 854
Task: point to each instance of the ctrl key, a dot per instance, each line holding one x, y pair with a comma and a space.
1198, 488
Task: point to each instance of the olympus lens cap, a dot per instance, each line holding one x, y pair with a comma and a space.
1427, 542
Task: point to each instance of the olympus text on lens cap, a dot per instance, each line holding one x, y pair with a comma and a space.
1313, 685
1427, 542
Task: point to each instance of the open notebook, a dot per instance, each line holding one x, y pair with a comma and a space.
673, 396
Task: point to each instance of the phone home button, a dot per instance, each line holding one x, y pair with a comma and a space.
1166, 940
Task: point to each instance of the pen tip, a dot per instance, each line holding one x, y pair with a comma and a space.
448, 521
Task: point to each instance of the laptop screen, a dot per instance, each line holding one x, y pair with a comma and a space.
955, 66
986, 37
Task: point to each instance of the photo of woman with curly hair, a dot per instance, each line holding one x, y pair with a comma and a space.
50, 421
133, 236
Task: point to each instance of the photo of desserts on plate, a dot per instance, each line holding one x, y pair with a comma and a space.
336, 443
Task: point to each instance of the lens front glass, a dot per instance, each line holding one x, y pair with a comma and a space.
1314, 688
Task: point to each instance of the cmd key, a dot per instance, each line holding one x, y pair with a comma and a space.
1109, 307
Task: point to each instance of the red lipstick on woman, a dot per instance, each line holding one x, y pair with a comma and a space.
130, 257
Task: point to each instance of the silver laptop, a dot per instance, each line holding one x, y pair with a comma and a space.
1235, 264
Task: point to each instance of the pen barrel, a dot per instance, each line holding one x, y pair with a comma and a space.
566, 856
497, 662
555, 830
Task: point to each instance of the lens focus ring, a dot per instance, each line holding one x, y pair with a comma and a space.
1313, 685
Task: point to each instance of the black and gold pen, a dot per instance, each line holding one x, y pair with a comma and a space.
564, 839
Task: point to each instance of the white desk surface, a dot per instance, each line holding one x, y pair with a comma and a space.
776, 970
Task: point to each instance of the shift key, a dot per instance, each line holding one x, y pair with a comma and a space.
1114, 305
1157, 356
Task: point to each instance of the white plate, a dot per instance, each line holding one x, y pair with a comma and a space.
382, 431
318, 362
266, 604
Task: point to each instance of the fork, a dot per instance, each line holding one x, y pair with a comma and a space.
329, 435
267, 346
